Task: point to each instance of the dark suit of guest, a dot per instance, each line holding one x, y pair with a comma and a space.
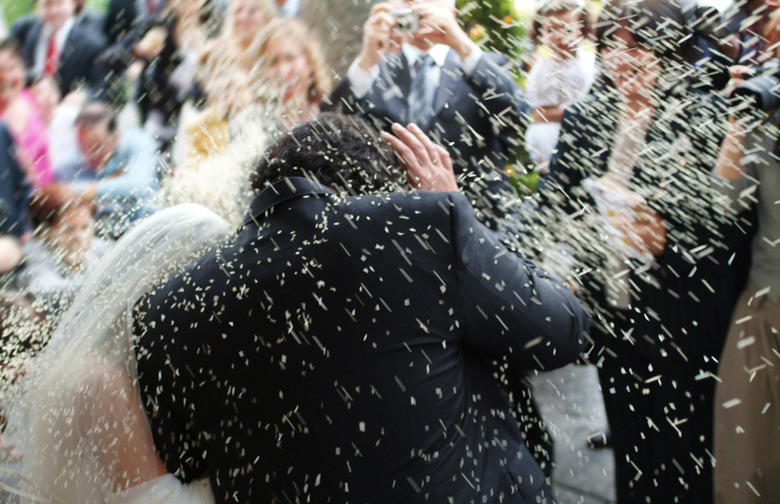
480, 118
123, 15
333, 350
90, 19
77, 61
14, 190
655, 358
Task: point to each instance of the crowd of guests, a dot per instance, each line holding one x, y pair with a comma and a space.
657, 202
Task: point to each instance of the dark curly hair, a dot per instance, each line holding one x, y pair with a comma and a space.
342, 152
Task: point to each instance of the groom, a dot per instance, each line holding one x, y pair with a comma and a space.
336, 347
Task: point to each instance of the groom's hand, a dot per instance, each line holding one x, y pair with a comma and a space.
428, 165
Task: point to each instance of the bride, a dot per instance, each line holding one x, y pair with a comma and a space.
77, 414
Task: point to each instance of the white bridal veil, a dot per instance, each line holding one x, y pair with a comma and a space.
69, 415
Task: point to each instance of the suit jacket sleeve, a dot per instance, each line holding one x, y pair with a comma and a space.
513, 309
502, 97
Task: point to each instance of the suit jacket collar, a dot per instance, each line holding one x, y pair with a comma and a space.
279, 192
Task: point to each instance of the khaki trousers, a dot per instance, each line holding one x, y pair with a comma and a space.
747, 405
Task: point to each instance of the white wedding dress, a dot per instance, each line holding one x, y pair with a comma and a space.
76, 408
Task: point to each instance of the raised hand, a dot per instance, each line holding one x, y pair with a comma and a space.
377, 35
439, 25
428, 165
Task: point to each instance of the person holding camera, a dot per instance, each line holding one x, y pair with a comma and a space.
418, 65
747, 440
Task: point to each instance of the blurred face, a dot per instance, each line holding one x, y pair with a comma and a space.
97, 144
246, 18
287, 67
71, 234
55, 12
562, 33
47, 95
633, 70
11, 78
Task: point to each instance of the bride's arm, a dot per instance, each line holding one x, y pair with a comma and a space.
114, 420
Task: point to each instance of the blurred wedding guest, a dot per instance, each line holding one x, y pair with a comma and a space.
63, 248
224, 67
169, 52
54, 45
23, 117
14, 191
159, 56
59, 115
562, 73
118, 171
629, 191
232, 51
747, 439
726, 34
283, 89
292, 75
435, 76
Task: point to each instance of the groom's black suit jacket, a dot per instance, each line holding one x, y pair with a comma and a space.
334, 349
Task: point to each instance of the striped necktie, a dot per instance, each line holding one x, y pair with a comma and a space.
421, 94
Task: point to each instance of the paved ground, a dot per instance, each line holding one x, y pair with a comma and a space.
571, 403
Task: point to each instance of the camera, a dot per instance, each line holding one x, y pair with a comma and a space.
406, 20
763, 87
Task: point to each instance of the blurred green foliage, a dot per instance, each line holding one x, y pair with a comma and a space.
12, 9
496, 25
